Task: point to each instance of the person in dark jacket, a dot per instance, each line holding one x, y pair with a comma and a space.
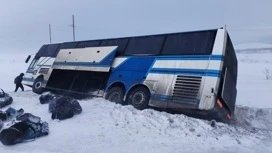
18, 82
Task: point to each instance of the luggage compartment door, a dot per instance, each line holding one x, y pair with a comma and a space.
82, 71
98, 59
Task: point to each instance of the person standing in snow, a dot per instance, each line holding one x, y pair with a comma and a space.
18, 82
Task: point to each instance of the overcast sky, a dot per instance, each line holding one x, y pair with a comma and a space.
24, 23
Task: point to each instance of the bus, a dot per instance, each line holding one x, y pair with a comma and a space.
193, 71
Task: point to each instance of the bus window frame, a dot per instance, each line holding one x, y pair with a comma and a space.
34, 63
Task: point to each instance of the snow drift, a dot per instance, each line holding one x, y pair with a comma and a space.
104, 126
253, 118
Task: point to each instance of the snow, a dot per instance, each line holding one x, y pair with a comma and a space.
245, 46
253, 88
11, 66
107, 127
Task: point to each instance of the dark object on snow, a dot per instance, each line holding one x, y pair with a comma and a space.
64, 107
28, 116
1, 124
28, 128
62, 114
45, 99
10, 114
213, 123
18, 82
5, 99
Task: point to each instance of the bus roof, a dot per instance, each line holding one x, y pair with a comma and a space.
189, 42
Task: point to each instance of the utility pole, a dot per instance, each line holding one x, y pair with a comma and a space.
50, 33
73, 26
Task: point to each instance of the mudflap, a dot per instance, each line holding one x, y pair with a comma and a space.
221, 114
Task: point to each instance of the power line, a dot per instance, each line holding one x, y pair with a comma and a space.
50, 34
73, 26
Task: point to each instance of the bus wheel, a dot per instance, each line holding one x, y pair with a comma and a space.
139, 98
37, 86
115, 94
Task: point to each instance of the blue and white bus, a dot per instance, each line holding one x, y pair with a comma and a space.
188, 71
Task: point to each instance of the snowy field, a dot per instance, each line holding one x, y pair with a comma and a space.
245, 46
111, 128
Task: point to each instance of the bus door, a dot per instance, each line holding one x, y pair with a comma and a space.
82, 70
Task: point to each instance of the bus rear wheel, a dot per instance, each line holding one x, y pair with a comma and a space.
115, 94
37, 86
139, 98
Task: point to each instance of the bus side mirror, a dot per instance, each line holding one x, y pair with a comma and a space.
27, 59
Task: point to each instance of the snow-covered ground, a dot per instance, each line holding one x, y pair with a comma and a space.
245, 46
112, 128
253, 87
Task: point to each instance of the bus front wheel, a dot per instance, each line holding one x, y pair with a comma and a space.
115, 94
139, 98
37, 86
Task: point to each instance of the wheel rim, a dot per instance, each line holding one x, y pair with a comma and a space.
38, 85
138, 98
114, 97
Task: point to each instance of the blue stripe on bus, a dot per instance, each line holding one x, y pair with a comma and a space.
151, 66
159, 97
192, 57
186, 57
105, 61
217, 57
165, 97
201, 72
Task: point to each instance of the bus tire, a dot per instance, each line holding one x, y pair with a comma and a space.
139, 98
115, 94
37, 86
